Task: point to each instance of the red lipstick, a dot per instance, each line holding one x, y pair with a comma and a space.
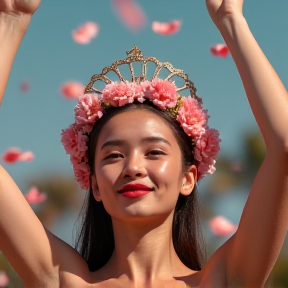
134, 190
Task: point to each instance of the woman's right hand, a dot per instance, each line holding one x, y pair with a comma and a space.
17, 8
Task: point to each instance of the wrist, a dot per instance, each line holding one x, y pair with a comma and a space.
229, 23
13, 25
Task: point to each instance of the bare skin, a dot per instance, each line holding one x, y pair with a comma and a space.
43, 260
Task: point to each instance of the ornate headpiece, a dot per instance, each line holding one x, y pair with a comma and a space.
163, 93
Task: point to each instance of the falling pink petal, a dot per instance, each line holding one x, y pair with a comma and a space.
220, 226
236, 166
130, 13
11, 155
72, 89
24, 86
166, 28
26, 156
34, 196
85, 33
4, 280
220, 50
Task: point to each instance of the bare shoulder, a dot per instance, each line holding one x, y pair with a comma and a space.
74, 271
213, 274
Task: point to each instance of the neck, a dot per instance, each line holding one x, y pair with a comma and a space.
144, 251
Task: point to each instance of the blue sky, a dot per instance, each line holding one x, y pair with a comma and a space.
48, 57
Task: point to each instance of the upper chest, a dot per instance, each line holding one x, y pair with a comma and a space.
207, 278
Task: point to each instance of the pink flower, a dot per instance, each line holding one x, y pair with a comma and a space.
13, 155
138, 92
81, 171
74, 142
130, 13
166, 28
4, 280
88, 110
82, 178
72, 89
220, 226
220, 50
161, 92
82, 141
121, 93
34, 196
192, 117
208, 144
205, 167
85, 33
206, 150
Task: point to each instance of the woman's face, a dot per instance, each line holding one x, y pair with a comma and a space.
138, 147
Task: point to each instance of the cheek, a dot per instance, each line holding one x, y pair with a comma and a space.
106, 175
167, 173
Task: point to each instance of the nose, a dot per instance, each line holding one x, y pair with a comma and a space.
134, 167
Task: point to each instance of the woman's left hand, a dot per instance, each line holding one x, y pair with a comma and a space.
220, 10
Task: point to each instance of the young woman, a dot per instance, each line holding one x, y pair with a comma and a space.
141, 162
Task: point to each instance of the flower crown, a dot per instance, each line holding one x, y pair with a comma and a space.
163, 93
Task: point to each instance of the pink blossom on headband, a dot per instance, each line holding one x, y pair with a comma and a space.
119, 94
87, 111
192, 117
81, 170
206, 150
69, 139
162, 93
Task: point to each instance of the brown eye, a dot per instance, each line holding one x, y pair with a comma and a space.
114, 156
156, 153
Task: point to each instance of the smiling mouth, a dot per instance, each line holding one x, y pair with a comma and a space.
134, 193
134, 186
134, 190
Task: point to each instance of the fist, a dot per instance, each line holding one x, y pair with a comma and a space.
19, 7
221, 9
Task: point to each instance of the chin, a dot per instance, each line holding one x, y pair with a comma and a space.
143, 213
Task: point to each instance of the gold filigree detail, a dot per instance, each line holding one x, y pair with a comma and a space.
174, 110
135, 55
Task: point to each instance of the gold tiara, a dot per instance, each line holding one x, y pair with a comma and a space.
135, 55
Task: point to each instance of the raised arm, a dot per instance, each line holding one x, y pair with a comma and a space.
13, 24
36, 254
253, 250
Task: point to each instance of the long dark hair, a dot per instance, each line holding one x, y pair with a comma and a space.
96, 239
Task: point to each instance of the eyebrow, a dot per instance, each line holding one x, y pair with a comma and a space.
118, 142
